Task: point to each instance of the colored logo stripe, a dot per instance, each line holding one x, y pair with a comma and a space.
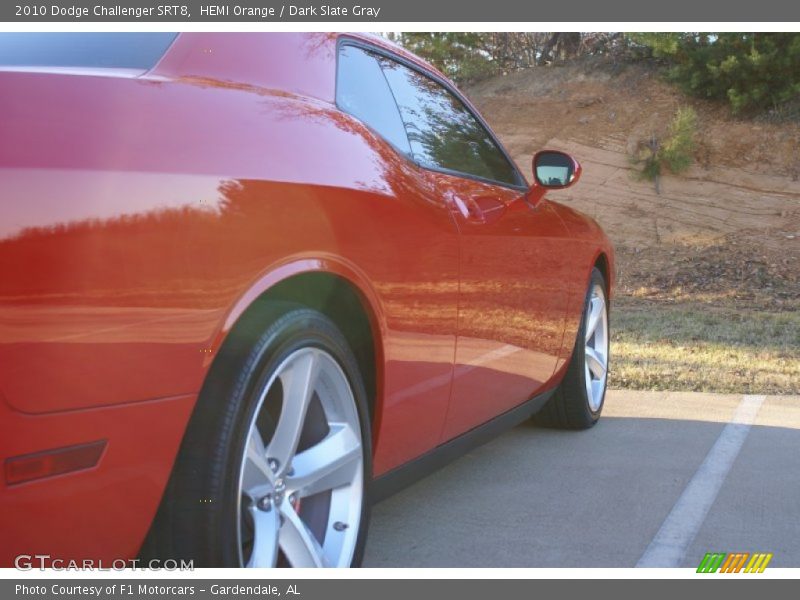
734, 562
758, 563
711, 562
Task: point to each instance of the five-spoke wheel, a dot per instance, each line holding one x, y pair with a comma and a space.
275, 466
302, 468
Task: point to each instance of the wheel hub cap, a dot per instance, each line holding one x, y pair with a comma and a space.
280, 490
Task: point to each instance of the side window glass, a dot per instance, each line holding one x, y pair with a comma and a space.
442, 131
362, 91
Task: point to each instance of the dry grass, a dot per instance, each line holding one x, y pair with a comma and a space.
700, 348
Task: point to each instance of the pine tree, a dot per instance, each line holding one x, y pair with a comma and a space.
752, 71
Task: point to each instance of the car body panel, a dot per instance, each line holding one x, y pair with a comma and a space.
588, 246
512, 302
101, 513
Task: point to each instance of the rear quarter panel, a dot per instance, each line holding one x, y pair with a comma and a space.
137, 213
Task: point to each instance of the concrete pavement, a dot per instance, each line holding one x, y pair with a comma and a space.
600, 498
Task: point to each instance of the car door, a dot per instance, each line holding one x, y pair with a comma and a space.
512, 299
412, 256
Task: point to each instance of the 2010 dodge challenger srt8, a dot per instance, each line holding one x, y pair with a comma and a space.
251, 283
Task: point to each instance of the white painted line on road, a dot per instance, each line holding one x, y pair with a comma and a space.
679, 529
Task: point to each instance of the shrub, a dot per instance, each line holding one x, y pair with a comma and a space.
676, 152
752, 71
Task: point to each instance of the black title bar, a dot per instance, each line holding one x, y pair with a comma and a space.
468, 11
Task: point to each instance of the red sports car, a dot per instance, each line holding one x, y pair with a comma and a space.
250, 283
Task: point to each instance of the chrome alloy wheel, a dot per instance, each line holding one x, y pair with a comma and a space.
301, 478
596, 349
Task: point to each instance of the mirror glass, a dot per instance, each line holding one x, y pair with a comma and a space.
554, 169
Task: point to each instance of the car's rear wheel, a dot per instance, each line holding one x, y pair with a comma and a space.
275, 465
578, 400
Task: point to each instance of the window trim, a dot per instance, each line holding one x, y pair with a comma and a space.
522, 186
406, 155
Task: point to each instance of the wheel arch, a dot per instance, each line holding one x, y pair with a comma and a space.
332, 288
602, 263
329, 287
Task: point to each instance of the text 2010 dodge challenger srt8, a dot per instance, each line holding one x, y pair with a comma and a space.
252, 282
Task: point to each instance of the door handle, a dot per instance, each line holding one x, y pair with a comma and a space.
474, 211
481, 209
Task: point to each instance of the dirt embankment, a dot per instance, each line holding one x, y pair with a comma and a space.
727, 232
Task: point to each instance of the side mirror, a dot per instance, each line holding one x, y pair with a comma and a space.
555, 170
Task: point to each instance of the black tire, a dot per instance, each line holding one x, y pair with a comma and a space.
569, 407
197, 519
